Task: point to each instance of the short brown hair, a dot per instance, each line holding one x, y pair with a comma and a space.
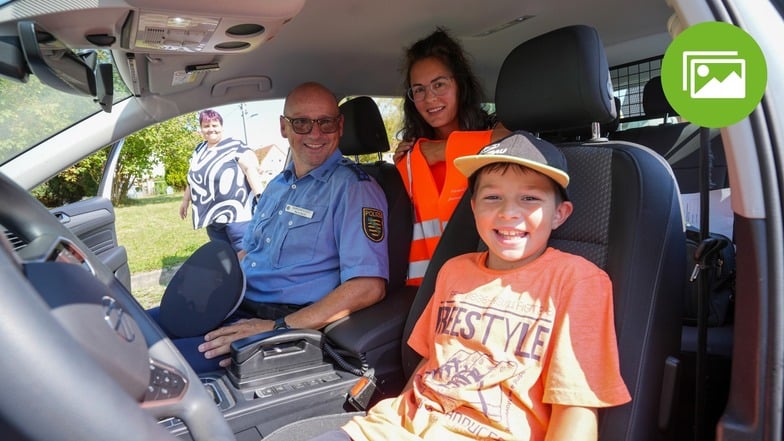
560, 194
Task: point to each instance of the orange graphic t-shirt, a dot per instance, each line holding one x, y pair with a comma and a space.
502, 347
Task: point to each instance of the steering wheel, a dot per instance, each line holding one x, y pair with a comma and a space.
78, 350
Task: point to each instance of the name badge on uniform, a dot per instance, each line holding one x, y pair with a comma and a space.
299, 211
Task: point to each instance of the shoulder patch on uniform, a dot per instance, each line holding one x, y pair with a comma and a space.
373, 223
361, 174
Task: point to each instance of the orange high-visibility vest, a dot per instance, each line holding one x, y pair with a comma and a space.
431, 209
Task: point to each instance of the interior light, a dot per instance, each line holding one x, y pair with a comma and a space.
179, 22
174, 33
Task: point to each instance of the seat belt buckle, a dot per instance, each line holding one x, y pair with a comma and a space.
360, 394
695, 272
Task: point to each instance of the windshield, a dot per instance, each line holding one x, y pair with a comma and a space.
32, 112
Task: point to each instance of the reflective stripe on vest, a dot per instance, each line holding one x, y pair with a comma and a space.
427, 229
432, 209
416, 271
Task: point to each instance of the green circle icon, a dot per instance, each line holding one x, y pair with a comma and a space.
714, 74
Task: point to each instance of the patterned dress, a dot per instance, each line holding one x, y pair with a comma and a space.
220, 193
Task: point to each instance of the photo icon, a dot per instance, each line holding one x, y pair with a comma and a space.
714, 75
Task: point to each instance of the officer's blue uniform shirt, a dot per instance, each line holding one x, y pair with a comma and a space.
311, 234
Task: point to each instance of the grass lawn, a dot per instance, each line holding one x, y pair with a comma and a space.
149, 297
156, 238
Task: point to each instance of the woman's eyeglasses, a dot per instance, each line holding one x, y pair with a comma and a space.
303, 126
437, 87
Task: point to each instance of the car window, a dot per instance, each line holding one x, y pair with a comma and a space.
33, 112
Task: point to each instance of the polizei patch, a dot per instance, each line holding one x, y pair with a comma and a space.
373, 223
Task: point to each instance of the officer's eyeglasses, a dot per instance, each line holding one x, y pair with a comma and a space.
303, 126
437, 87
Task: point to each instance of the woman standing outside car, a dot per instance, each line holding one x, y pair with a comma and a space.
223, 182
443, 120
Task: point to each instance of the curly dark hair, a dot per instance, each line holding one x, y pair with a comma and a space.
442, 46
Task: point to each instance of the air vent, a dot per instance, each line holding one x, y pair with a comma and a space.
17, 242
154, 36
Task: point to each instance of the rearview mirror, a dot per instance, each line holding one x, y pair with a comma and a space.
57, 66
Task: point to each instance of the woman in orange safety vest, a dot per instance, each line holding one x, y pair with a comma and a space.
443, 120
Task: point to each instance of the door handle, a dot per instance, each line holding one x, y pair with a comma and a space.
62, 217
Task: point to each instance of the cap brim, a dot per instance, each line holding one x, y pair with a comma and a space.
468, 165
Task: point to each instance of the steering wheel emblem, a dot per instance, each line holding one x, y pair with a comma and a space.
114, 316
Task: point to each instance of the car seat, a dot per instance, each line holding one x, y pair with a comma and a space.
364, 133
627, 216
376, 342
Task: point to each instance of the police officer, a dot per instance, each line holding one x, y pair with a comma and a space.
316, 247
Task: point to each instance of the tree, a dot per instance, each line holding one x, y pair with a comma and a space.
47, 111
392, 113
169, 143
176, 157
74, 183
34, 111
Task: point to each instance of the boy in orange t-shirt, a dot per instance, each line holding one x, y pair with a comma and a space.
518, 342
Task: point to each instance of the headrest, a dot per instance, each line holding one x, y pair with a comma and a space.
363, 128
654, 103
559, 80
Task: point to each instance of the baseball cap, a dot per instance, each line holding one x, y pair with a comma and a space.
520, 148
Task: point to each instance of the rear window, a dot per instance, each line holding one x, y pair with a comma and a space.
628, 84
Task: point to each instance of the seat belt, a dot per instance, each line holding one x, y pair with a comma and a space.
706, 257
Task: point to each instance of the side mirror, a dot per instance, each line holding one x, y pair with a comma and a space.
12, 62
57, 66
104, 87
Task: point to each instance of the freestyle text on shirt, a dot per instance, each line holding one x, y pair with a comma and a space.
501, 347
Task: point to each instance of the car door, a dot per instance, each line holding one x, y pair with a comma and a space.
92, 220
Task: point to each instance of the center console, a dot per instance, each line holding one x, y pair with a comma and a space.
284, 376
276, 378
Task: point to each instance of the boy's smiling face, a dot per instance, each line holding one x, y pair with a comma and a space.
516, 209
